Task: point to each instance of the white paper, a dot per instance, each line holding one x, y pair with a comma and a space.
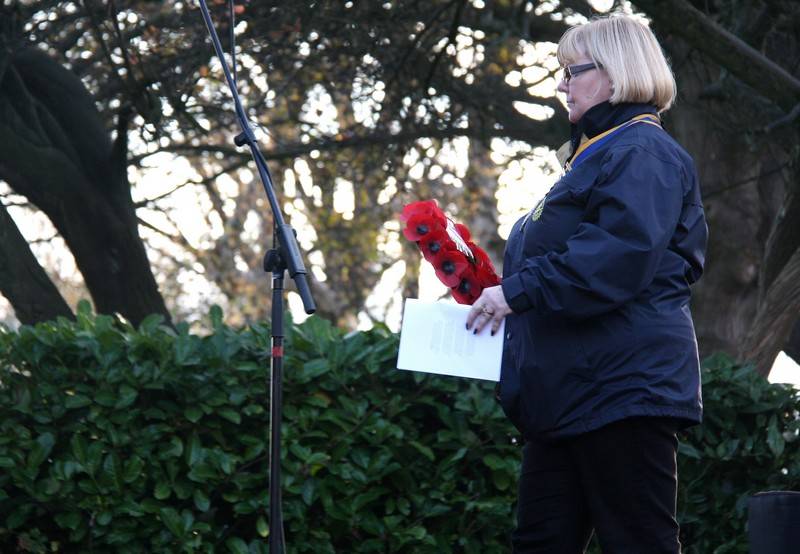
434, 339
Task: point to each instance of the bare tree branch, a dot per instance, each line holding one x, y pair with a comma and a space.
788, 119
745, 62
178, 238
520, 128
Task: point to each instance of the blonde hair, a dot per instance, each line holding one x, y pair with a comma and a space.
629, 53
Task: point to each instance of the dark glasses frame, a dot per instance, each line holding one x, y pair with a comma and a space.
571, 71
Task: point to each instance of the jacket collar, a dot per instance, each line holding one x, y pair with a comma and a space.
604, 116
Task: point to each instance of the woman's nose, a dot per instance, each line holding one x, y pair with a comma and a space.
562, 85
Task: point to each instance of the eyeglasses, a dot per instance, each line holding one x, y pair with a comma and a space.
571, 71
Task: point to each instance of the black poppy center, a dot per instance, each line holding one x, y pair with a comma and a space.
464, 286
434, 247
448, 267
422, 229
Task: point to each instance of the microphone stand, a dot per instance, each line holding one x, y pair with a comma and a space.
285, 254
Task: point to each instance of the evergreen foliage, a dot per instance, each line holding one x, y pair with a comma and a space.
154, 440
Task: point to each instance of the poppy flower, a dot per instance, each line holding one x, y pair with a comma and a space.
486, 277
449, 265
468, 289
459, 263
420, 225
426, 208
433, 243
484, 268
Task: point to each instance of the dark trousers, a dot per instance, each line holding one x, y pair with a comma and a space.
619, 480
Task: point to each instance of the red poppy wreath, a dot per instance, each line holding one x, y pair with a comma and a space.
459, 263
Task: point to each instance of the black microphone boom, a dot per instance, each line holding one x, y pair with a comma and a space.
286, 239
285, 254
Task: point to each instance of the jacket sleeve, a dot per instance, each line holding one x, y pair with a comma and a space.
631, 214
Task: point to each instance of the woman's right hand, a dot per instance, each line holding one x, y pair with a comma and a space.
488, 310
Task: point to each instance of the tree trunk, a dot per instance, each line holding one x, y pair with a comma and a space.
480, 202
747, 176
773, 321
23, 281
779, 292
792, 346
58, 154
725, 298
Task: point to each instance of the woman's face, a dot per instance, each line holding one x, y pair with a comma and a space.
584, 90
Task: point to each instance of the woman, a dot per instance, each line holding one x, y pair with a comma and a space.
600, 366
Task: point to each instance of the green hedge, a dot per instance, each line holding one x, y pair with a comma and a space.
114, 439
746, 444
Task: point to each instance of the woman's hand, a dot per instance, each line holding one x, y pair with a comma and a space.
489, 309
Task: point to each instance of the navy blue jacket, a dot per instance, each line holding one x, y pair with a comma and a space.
598, 280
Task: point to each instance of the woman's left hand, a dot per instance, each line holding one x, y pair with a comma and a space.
489, 309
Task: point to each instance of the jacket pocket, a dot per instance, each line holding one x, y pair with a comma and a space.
509, 387
561, 350
605, 342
